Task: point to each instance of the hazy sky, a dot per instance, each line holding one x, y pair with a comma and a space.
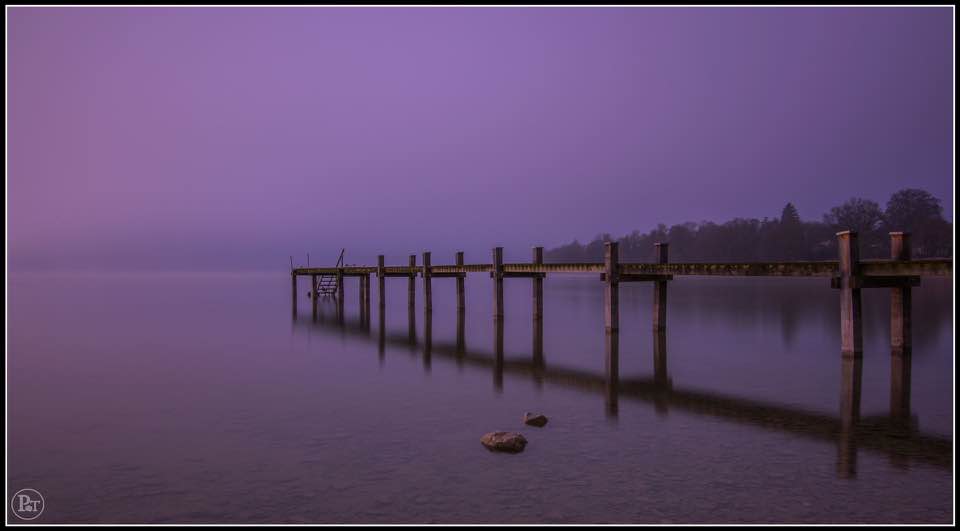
230, 138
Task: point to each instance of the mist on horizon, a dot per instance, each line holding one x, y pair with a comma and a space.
199, 139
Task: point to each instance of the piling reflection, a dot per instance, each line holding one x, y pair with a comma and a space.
894, 435
461, 347
427, 340
851, 380
498, 353
660, 377
612, 376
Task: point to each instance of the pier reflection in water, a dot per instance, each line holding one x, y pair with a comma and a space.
895, 435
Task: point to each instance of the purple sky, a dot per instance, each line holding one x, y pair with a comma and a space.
230, 138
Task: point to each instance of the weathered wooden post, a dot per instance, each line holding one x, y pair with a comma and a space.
498, 282
412, 282
611, 263
427, 288
360, 291
900, 334
851, 325
340, 294
313, 295
366, 298
461, 300
538, 308
293, 284
660, 291
381, 284
611, 292
900, 298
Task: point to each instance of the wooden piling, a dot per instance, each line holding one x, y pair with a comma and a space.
461, 299
412, 282
313, 295
340, 295
900, 299
498, 282
366, 298
660, 291
381, 284
293, 284
611, 262
361, 296
851, 325
538, 310
427, 288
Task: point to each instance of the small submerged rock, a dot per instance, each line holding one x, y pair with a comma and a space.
535, 419
504, 441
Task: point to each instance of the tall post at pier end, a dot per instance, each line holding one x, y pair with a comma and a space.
900, 334
851, 325
900, 298
660, 291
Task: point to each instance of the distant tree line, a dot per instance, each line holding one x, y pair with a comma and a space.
787, 237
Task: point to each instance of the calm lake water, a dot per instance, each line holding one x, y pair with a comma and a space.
197, 398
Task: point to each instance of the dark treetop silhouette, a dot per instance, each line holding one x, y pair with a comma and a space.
787, 238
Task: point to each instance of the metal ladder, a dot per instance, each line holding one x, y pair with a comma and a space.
327, 284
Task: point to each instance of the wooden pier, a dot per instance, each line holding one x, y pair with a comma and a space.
849, 275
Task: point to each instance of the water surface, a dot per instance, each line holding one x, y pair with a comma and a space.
199, 398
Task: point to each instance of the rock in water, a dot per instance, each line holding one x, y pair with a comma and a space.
504, 441
535, 419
